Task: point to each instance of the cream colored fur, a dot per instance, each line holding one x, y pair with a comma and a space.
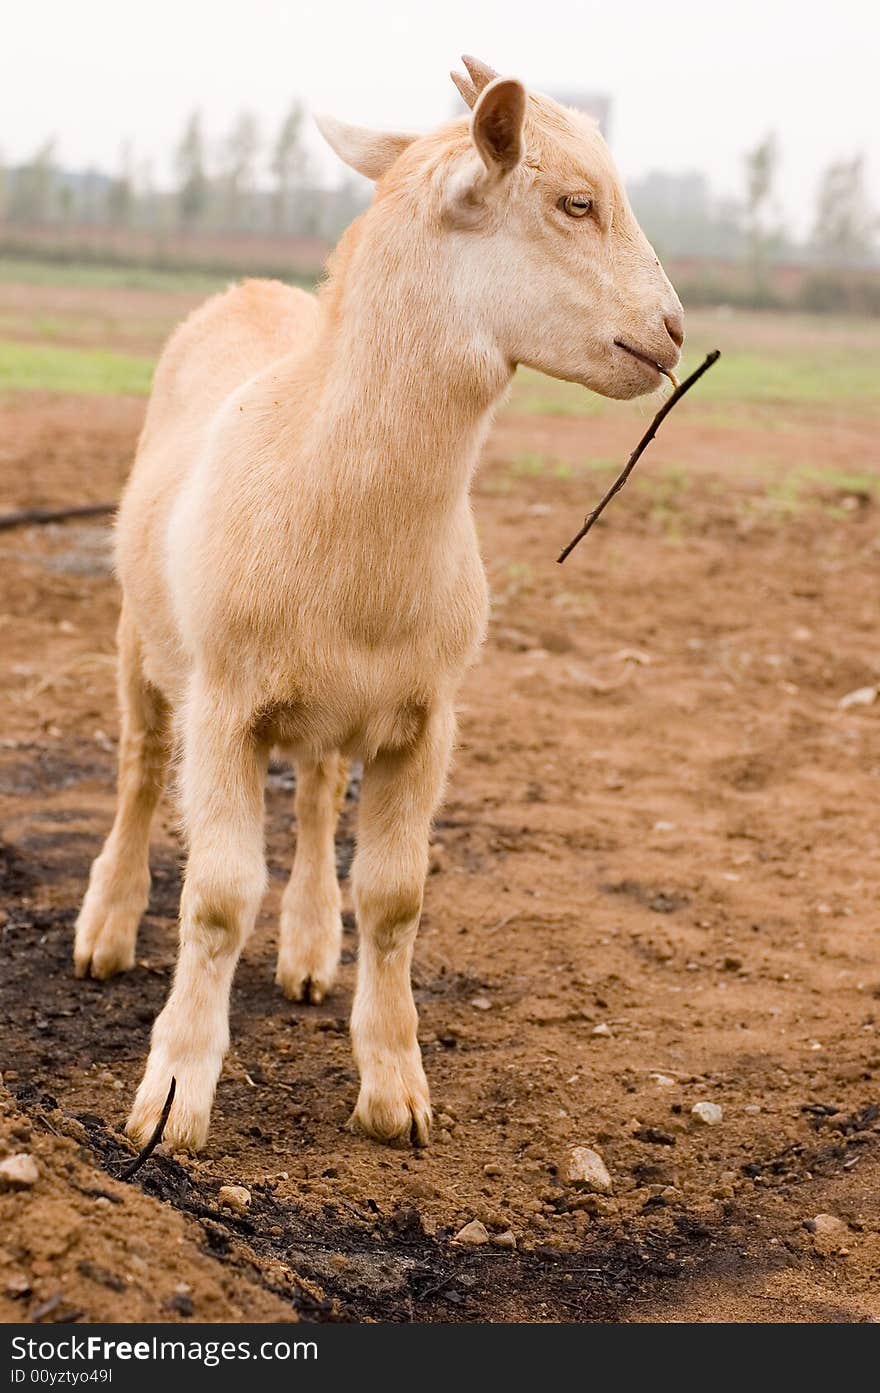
300, 568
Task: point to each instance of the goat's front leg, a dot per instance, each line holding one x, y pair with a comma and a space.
399, 795
222, 795
311, 925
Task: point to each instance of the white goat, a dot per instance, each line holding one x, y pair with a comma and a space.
299, 564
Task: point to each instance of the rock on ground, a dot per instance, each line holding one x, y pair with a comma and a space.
587, 1170
474, 1233
18, 1172
234, 1197
710, 1114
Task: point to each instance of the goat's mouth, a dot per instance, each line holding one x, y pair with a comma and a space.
646, 358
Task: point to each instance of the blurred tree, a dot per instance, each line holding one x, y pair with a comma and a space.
66, 203
121, 190
31, 195
846, 226
239, 173
762, 164
192, 192
289, 164
147, 204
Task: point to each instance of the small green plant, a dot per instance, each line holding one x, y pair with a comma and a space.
520, 577
530, 464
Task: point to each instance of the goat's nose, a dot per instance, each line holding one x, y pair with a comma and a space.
674, 321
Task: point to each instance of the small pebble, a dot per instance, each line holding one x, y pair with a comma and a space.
710, 1114
507, 1239
827, 1226
181, 1303
862, 696
18, 1172
474, 1233
601, 1029
234, 1197
481, 1003
587, 1170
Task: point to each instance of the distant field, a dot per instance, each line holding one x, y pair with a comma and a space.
22, 272
97, 329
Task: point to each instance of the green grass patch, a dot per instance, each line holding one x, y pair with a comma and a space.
790, 376
50, 368
835, 492
531, 464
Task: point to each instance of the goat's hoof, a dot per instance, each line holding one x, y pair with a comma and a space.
394, 1104
105, 943
308, 973
190, 1116
307, 991
310, 990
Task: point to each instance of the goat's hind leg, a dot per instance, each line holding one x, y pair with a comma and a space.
311, 925
119, 883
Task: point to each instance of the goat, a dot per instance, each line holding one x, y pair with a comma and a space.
300, 569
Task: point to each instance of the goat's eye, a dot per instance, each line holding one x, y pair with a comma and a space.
576, 205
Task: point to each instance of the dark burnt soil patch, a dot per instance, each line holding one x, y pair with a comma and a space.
53, 1028
16, 875
343, 1261
31, 769
659, 901
388, 1269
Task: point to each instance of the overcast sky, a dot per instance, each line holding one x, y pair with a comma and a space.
694, 83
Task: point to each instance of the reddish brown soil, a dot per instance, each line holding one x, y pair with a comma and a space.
660, 822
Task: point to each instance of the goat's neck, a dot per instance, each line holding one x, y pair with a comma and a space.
409, 384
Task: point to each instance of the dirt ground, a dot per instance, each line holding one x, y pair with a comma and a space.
656, 884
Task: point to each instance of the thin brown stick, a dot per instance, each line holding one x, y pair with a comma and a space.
155, 1139
27, 516
639, 450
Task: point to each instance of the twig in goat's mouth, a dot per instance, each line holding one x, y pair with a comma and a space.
678, 393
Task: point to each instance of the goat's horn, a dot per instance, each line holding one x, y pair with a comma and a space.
480, 73
467, 89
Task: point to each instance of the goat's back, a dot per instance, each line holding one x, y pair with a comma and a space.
217, 349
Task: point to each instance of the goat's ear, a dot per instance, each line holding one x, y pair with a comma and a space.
370, 153
496, 133
497, 123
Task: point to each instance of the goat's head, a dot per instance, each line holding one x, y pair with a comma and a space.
524, 213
